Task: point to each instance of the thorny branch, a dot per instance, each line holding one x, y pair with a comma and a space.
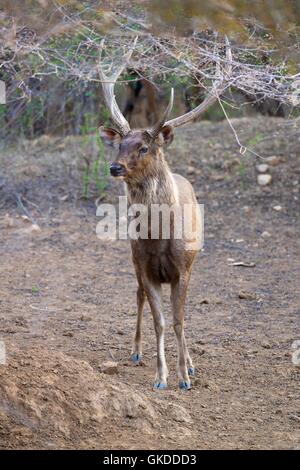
71, 53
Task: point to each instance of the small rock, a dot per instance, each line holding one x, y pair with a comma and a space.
277, 208
247, 295
25, 218
266, 234
296, 344
263, 180
262, 167
86, 318
68, 333
33, 229
190, 170
109, 368
204, 301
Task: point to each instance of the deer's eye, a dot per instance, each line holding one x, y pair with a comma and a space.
143, 150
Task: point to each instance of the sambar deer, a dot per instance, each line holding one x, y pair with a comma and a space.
148, 180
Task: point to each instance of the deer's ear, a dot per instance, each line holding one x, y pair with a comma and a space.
166, 135
110, 136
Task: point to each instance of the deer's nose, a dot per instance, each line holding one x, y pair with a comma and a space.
116, 169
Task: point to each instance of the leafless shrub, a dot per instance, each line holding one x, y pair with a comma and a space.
69, 49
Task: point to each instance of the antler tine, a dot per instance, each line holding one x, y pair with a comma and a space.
154, 131
218, 87
108, 86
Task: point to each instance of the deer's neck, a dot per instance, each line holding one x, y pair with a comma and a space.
155, 186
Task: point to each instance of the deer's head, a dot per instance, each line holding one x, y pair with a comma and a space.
137, 148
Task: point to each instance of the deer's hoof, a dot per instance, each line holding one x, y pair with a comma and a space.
191, 371
160, 386
136, 358
184, 384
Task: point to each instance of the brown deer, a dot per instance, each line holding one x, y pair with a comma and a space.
148, 180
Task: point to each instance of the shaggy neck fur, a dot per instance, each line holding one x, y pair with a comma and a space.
154, 185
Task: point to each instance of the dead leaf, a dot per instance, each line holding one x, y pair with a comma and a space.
247, 295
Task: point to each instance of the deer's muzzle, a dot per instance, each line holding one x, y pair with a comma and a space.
116, 169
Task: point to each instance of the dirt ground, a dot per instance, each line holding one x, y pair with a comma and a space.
67, 303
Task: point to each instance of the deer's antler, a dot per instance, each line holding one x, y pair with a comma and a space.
108, 85
154, 131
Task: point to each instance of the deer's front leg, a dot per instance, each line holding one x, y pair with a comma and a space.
153, 292
136, 354
178, 296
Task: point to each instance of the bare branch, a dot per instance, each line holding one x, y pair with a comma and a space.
219, 86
